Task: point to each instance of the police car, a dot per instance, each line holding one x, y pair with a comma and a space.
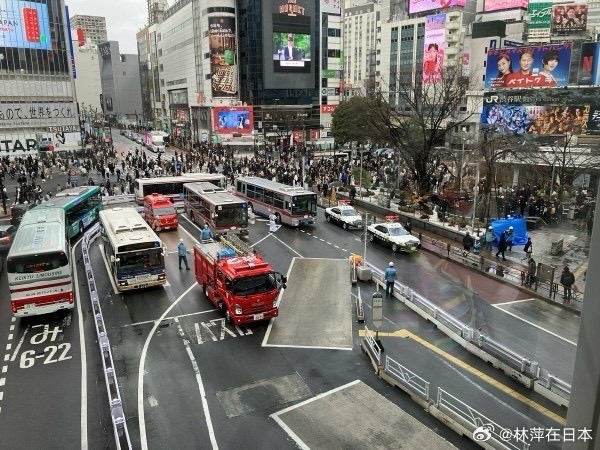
393, 235
345, 216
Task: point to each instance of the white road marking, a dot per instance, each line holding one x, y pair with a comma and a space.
198, 334
152, 400
2, 381
1, 395
141, 370
4, 369
329, 242
7, 357
145, 322
10, 337
536, 325
514, 301
14, 355
266, 338
258, 242
8, 347
186, 343
288, 430
14, 319
314, 347
275, 237
336, 246
108, 271
12, 328
83, 355
322, 240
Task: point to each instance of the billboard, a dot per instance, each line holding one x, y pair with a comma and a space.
417, 6
524, 67
571, 18
223, 57
293, 52
498, 5
234, 119
594, 121
331, 6
540, 19
434, 48
589, 64
24, 25
536, 119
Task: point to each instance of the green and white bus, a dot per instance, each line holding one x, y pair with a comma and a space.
81, 206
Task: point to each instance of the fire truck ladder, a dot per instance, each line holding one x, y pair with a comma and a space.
240, 247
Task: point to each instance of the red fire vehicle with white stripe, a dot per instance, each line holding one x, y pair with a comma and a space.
38, 265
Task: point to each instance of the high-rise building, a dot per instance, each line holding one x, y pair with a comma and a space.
156, 11
92, 27
36, 92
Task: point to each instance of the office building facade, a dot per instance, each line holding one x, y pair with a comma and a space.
91, 28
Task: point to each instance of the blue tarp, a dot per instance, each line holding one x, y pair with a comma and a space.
519, 225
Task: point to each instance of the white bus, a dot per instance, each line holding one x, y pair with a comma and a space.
134, 253
294, 206
224, 213
38, 265
172, 187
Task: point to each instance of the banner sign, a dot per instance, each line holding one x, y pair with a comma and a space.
331, 6
19, 115
498, 5
434, 48
223, 64
589, 64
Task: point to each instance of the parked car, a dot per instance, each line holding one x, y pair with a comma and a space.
393, 235
385, 152
345, 216
6, 237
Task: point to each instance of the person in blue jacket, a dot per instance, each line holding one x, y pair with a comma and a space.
206, 234
390, 276
182, 252
489, 239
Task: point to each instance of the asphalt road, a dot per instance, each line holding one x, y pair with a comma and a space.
192, 364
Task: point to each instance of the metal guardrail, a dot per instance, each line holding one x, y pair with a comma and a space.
370, 339
483, 429
465, 334
407, 377
112, 387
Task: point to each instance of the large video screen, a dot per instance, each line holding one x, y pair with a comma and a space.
525, 67
542, 120
234, 119
24, 25
291, 52
417, 6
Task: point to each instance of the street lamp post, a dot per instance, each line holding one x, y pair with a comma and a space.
475, 197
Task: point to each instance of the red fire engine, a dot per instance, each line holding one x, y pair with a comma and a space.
160, 213
236, 279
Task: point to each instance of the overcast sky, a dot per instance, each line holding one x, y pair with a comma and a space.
123, 18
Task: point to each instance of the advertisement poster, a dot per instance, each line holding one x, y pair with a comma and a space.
223, 64
524, 67
24, 25
434, 48
417, 6
234, 119
569, 18
594, 121
589, 70
542, 120
540, 20
498, 5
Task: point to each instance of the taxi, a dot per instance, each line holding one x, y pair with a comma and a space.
393, 235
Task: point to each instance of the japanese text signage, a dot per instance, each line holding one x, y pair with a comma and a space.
16, 115
223, 58
540, 19
331, 6
571, 18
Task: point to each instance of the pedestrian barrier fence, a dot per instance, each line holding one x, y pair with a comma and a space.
408, 378
520, 367
112, 386
481, 428
373, 346
358, 304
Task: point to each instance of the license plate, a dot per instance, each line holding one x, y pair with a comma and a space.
260, 316
142, 286
167, 228
28, 306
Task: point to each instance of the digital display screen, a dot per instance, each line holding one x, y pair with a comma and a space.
234, 119
499, 5
291, 51
24, 25
417, 6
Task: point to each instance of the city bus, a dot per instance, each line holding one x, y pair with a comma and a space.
294, 206
39, 266
134, 253
224, 213
172, 187
81, 206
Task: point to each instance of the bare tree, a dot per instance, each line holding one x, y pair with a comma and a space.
419, 120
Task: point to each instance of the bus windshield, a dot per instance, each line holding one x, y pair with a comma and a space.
305, 204
36, 263
143, 260
232, 216
254, 285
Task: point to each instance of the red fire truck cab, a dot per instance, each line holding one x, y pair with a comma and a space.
236, 279
160, 212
